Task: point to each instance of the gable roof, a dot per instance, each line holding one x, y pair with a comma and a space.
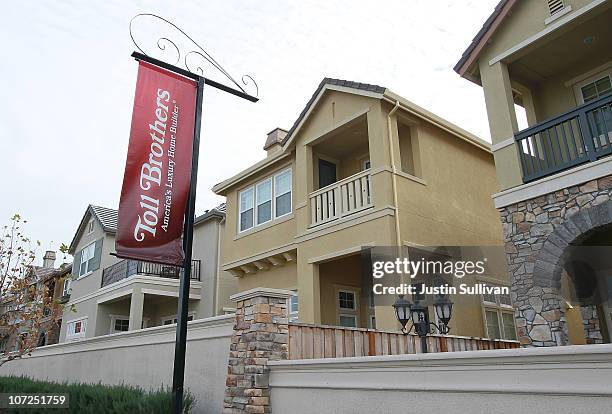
107, 218
487, 30
333, 82
375, 91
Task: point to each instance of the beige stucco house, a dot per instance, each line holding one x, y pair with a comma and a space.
554, 59
109, 295
360, 167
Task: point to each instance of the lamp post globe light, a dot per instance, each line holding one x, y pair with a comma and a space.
417, 313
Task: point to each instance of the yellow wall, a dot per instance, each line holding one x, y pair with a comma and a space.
454, 206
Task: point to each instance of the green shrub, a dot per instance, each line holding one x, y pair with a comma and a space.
96, 398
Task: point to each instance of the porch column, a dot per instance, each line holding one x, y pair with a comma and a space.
136, 305
502, 122
261, 334
309, 291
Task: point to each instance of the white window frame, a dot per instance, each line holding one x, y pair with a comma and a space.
294, 315
67, 287
70, 335
87, 272
498, 307
275, 195
90, 227
579, 85
256, 193
240, 210
254, 206
500, 321
114, 318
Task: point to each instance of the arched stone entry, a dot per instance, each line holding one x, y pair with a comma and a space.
540, 234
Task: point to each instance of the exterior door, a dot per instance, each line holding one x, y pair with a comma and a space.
327, 173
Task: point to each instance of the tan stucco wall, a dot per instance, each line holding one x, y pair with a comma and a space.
453, 207
549, 95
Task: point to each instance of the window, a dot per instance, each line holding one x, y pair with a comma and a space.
76, 329
66, 289
349, 321
246, 209
282, 193
87, 257
169, 320
266, 200
346, 299
293, 307
499, 316
119, 323
263, 191
90, 227
597, 88
500, 324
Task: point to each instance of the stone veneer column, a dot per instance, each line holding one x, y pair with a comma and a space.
537, 233
261, 334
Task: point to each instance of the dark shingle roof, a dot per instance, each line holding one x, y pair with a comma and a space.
107, 217
330, 81
485, 28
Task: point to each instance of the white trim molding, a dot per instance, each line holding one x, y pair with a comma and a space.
564, 179
503, 144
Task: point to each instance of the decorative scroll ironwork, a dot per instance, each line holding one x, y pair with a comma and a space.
193, 57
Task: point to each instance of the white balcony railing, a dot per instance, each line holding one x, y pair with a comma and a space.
342, 198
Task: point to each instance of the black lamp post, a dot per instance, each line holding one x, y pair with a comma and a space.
417, 312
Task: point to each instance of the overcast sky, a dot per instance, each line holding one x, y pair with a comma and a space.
67, 85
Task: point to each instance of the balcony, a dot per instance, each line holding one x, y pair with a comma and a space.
342, 198
581, 135
126, 268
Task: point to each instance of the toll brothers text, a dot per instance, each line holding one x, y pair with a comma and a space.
151, 171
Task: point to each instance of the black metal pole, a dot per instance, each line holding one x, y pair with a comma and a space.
424, 344
178, 376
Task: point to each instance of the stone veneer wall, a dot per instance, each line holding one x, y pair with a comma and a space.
261, 334
537, 232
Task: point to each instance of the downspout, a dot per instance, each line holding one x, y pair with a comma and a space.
398, 239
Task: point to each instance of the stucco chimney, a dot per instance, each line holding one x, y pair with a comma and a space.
49, 259
274, 141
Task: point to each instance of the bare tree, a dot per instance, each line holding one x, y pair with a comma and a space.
27, 304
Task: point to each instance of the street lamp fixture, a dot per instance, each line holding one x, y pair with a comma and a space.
417, 312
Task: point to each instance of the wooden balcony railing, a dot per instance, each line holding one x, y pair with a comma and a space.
320, 341
342, 198
581, 135
126, 268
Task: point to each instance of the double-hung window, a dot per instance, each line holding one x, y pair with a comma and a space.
499, 316
76, 329
266, 200
263, 191
246, 209
66, 289
282, 193
87, 254
347, 306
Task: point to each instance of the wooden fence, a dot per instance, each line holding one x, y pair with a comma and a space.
320, 341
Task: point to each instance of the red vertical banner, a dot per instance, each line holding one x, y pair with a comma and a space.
158, 168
